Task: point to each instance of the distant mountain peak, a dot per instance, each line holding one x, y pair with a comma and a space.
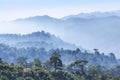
37, 18
95, 14
44, 16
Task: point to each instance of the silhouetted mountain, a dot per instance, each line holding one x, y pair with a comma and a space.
40, 19
35, 39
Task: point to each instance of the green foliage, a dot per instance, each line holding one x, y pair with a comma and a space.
78, 67
1, 61
12, 72
16, 72
22, 61
93, 71
37, 65
55, 61
61, 75
9, 54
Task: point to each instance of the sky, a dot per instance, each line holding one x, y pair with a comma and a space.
12, 9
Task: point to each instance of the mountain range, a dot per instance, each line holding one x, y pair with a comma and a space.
90, 30
96, 14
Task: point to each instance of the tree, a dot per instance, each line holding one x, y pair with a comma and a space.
97, 53
93, 71
78, 66
47, 65
112, 56
1, 61
22, 61
37, 65
55, 61
78, 50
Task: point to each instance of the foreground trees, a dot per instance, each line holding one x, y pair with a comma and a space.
78, 67
37, 65
38, 72
55, 61
22, 61
1, 61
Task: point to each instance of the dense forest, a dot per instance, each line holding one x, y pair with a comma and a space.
40, 58
54, 69
10, 55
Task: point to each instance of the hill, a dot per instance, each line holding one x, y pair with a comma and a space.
35, 39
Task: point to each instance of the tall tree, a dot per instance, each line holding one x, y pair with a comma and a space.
37, 65
78, 66
55, 61
1, 61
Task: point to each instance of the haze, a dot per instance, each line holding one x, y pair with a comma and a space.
15, 9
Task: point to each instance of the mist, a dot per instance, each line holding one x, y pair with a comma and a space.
101, 33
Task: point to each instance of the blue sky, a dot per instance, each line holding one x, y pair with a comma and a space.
12, 9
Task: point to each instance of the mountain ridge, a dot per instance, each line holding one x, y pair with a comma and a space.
35, 39
95, 14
